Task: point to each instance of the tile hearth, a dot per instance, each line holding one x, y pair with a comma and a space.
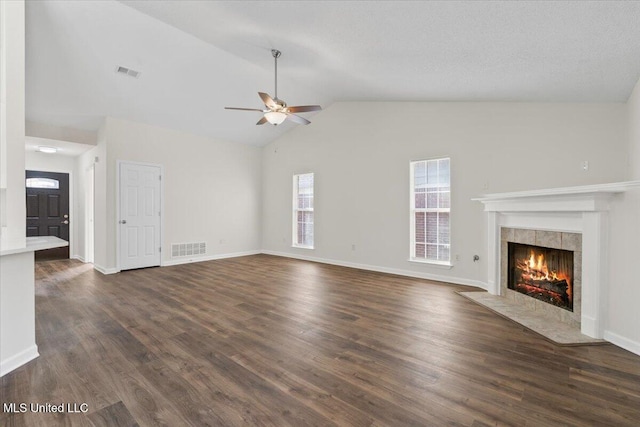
557, 332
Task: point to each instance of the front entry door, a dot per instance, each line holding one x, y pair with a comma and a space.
48, 210
139, 220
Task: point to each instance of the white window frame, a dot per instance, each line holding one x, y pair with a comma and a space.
296, 209
413, 210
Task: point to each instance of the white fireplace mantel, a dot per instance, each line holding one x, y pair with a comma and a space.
581, 209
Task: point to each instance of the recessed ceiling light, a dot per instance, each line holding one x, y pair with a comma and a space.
49, 150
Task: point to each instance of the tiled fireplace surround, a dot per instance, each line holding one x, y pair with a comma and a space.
573, 218
547, 239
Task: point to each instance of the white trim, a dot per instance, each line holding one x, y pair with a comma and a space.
105, 270
79, 258
413, 210
18, 360
620, 341
302, 246
169, 263
72, 201
437, 264
612, 187
396, 271
294, 213
117, 219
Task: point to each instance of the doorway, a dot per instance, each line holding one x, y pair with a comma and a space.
47, 208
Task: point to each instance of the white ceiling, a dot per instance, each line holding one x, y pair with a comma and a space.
196, 57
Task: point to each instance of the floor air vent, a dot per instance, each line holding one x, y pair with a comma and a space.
188, 249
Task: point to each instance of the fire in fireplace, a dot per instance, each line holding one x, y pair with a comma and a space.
542, 273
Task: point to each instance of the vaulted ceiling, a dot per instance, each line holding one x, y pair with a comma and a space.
196, 57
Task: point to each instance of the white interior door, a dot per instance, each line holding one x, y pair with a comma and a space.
139, 220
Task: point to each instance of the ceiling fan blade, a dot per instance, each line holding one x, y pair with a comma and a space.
268, 101
262, 121
298, 119
304, 108
243, 109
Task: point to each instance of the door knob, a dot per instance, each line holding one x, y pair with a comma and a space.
66, 221
123, 221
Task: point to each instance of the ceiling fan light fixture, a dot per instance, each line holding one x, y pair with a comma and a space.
275, 117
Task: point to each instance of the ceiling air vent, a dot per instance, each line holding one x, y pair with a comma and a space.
128, 71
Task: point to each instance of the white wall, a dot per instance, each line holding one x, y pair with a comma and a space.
360, 154
95, 158
12, 133
212, 189
17, 311
17, 302
49, 162
623, 326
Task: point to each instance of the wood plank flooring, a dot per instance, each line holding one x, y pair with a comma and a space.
263, 340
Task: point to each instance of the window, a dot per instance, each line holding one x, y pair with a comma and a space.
43, 183
303, 210
430, 210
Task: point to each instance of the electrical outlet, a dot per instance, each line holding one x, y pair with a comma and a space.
585, 165
353, 247
457, 257
222, 241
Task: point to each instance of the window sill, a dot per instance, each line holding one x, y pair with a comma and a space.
302, 247
439, 264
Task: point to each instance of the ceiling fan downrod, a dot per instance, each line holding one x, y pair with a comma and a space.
276, 54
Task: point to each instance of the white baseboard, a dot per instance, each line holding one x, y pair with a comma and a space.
78, 257
620, 341
18, 360
179, 261
397, 271
105, 270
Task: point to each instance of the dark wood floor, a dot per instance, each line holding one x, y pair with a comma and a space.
263, 340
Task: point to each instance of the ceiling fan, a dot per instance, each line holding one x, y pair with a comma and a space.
277, 110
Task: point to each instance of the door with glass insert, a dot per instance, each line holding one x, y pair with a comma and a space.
48, 210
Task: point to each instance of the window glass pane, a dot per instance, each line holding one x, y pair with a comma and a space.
420, 200
420, 175
443, 227
432, 200
42, 183
420, 250
443, 172
432, 252
432, 227
420, 227
445, 200
432, 173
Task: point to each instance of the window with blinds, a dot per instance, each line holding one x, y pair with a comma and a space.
430, 210
303, 210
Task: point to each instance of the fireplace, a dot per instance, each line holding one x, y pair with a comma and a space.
543, 273
571, 218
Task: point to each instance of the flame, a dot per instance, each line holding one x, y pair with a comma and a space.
535, 268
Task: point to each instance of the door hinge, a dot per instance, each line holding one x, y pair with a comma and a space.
159, 249
159, 177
